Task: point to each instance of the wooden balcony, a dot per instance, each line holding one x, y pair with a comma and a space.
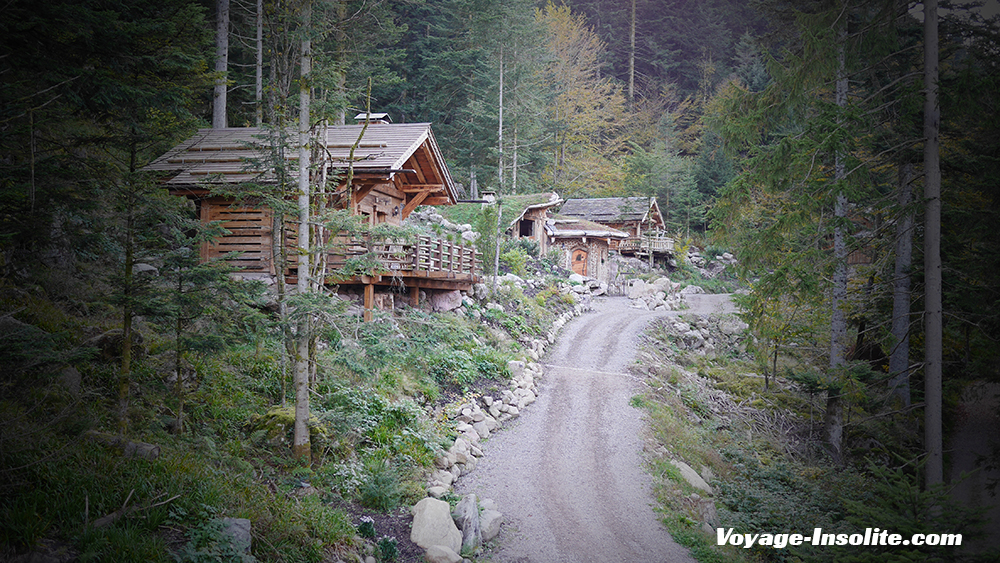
655, 243
425, 262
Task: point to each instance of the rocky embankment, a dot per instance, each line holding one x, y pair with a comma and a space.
447, 535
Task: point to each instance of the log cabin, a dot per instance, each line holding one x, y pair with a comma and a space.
584, 246
393, 168
639, 217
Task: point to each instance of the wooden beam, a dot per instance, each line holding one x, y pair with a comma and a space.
414, 165
425, 150
414, 297
437, 201
408, 188
413, 203
362, 192
369, 301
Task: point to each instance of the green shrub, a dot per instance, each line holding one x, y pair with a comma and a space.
515, 261
388, 549
381, 488
453, 367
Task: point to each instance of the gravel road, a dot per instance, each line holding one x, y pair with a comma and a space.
568, 474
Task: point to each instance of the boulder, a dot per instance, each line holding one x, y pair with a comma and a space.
441, 554
237, 531
446, 300
516, 369
489, 524
692, 477
437, 491
466, 515
433, 525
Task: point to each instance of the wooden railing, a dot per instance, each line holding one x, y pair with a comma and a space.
656, 243
426, 257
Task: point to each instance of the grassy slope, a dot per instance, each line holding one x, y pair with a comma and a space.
769, 471
376, 430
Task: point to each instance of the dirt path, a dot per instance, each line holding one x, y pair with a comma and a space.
569, 474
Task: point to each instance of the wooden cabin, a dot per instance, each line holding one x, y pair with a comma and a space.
585, 245
530, 213
393, 168
639, 217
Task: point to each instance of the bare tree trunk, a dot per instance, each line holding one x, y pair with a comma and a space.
500, 131
300, 441
513, 163
933, 330
125, 371
259, 82
221, 63
631, 58
178, 365
834, 418
899, 358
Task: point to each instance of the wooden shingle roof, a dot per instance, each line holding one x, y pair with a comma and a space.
613, 209
235, 155
561, 226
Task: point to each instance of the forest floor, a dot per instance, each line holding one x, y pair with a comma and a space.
569, 476
974, 438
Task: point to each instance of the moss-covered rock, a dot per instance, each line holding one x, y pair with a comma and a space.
278, 424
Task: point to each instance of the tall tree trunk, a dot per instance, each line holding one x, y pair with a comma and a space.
631, 58
500, 130
178, 350
834, 419
899, 358
259, 74
300, 441
221, 63
125, 371
932, 252
342, 59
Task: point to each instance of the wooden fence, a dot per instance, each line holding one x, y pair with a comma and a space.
425, 257
658, 244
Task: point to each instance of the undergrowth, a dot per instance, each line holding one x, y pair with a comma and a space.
373, 430
760, 451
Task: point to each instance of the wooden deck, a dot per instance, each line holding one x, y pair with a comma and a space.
657, 244
425, 262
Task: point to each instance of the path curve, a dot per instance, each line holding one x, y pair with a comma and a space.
568, 474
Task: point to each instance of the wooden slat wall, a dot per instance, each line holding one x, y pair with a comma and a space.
249, 234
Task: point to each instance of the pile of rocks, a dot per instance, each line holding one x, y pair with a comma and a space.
432, 221
706, 336
709, 267
475, 420
659, 295
447, 535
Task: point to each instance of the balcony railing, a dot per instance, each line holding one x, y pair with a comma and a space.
658, 244
424, 257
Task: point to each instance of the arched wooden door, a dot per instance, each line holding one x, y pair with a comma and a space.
580, 261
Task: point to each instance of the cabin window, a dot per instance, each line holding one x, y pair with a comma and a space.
527, 229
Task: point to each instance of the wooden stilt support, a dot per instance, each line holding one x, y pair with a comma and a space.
369, 301
414, 297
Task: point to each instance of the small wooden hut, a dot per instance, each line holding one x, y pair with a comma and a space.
639, 217
585, 245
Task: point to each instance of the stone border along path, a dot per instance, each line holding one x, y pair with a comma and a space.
443, 534
569, 476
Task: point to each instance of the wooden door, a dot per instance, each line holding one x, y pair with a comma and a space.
580, 261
